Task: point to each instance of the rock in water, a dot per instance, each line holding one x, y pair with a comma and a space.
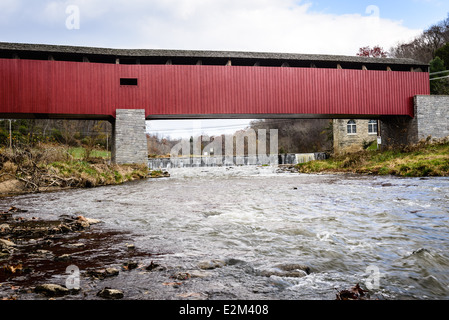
154, 267
108, 293
212, 264
287, 270
354, 293
294, 267
130, 265
6, 244
103, 273
4, 228
52, 290
92, 221
64, 257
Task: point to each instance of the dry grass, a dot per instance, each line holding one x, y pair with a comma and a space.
52, 167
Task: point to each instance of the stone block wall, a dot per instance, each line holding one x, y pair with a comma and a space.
432, 115
129, 138
351, 142
431, 119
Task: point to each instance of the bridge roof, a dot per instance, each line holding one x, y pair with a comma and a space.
160, 56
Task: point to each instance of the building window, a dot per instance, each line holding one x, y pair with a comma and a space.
372, 127
352, 127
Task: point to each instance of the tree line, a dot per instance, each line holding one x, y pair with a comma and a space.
294, 136
73, 133
431, 46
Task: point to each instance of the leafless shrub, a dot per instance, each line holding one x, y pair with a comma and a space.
28, 165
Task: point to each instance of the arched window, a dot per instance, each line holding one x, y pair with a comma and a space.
372, 127
352, 127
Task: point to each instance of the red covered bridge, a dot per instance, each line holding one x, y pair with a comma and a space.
46, 81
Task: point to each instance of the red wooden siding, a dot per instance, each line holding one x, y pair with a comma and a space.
75, 88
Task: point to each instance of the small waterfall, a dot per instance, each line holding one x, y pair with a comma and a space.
222, 161
296, 158
305, 157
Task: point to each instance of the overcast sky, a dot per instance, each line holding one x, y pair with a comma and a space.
307, 26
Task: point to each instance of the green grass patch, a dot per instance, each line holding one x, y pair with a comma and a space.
415, 161
91, 175
79, 153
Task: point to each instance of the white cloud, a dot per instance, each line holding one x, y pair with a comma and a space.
267, 25
242, 25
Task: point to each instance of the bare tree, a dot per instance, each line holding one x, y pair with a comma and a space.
424, 46
68, 131
298, 135
160, 146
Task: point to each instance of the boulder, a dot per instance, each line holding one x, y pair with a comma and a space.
199, 274
52, 290
130, 265
92, 221
287, 270
42, 254
6, 244
211, 264
181, 276
6, 248
108, 293
110, 272
63, 257
64, 228
294, 267
279, 273
103, 273
82, 224
5, 228
76, 245
154, 267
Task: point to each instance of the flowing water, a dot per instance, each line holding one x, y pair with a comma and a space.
390, 233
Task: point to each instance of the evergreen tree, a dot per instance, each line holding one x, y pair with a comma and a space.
440, 86
443, 53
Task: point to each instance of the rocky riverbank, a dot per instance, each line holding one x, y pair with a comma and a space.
74, 257
50, 259
67, 175
51, 167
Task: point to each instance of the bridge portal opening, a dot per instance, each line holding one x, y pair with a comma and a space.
236, 141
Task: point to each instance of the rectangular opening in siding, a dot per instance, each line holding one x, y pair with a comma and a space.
128, 81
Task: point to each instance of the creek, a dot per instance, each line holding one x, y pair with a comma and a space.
249, 222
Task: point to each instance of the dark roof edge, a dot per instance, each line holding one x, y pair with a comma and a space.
201, 54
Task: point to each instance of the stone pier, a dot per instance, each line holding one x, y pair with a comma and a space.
129, 144
432, 115
431, 119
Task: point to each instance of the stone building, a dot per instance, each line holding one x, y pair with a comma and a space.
352, 134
